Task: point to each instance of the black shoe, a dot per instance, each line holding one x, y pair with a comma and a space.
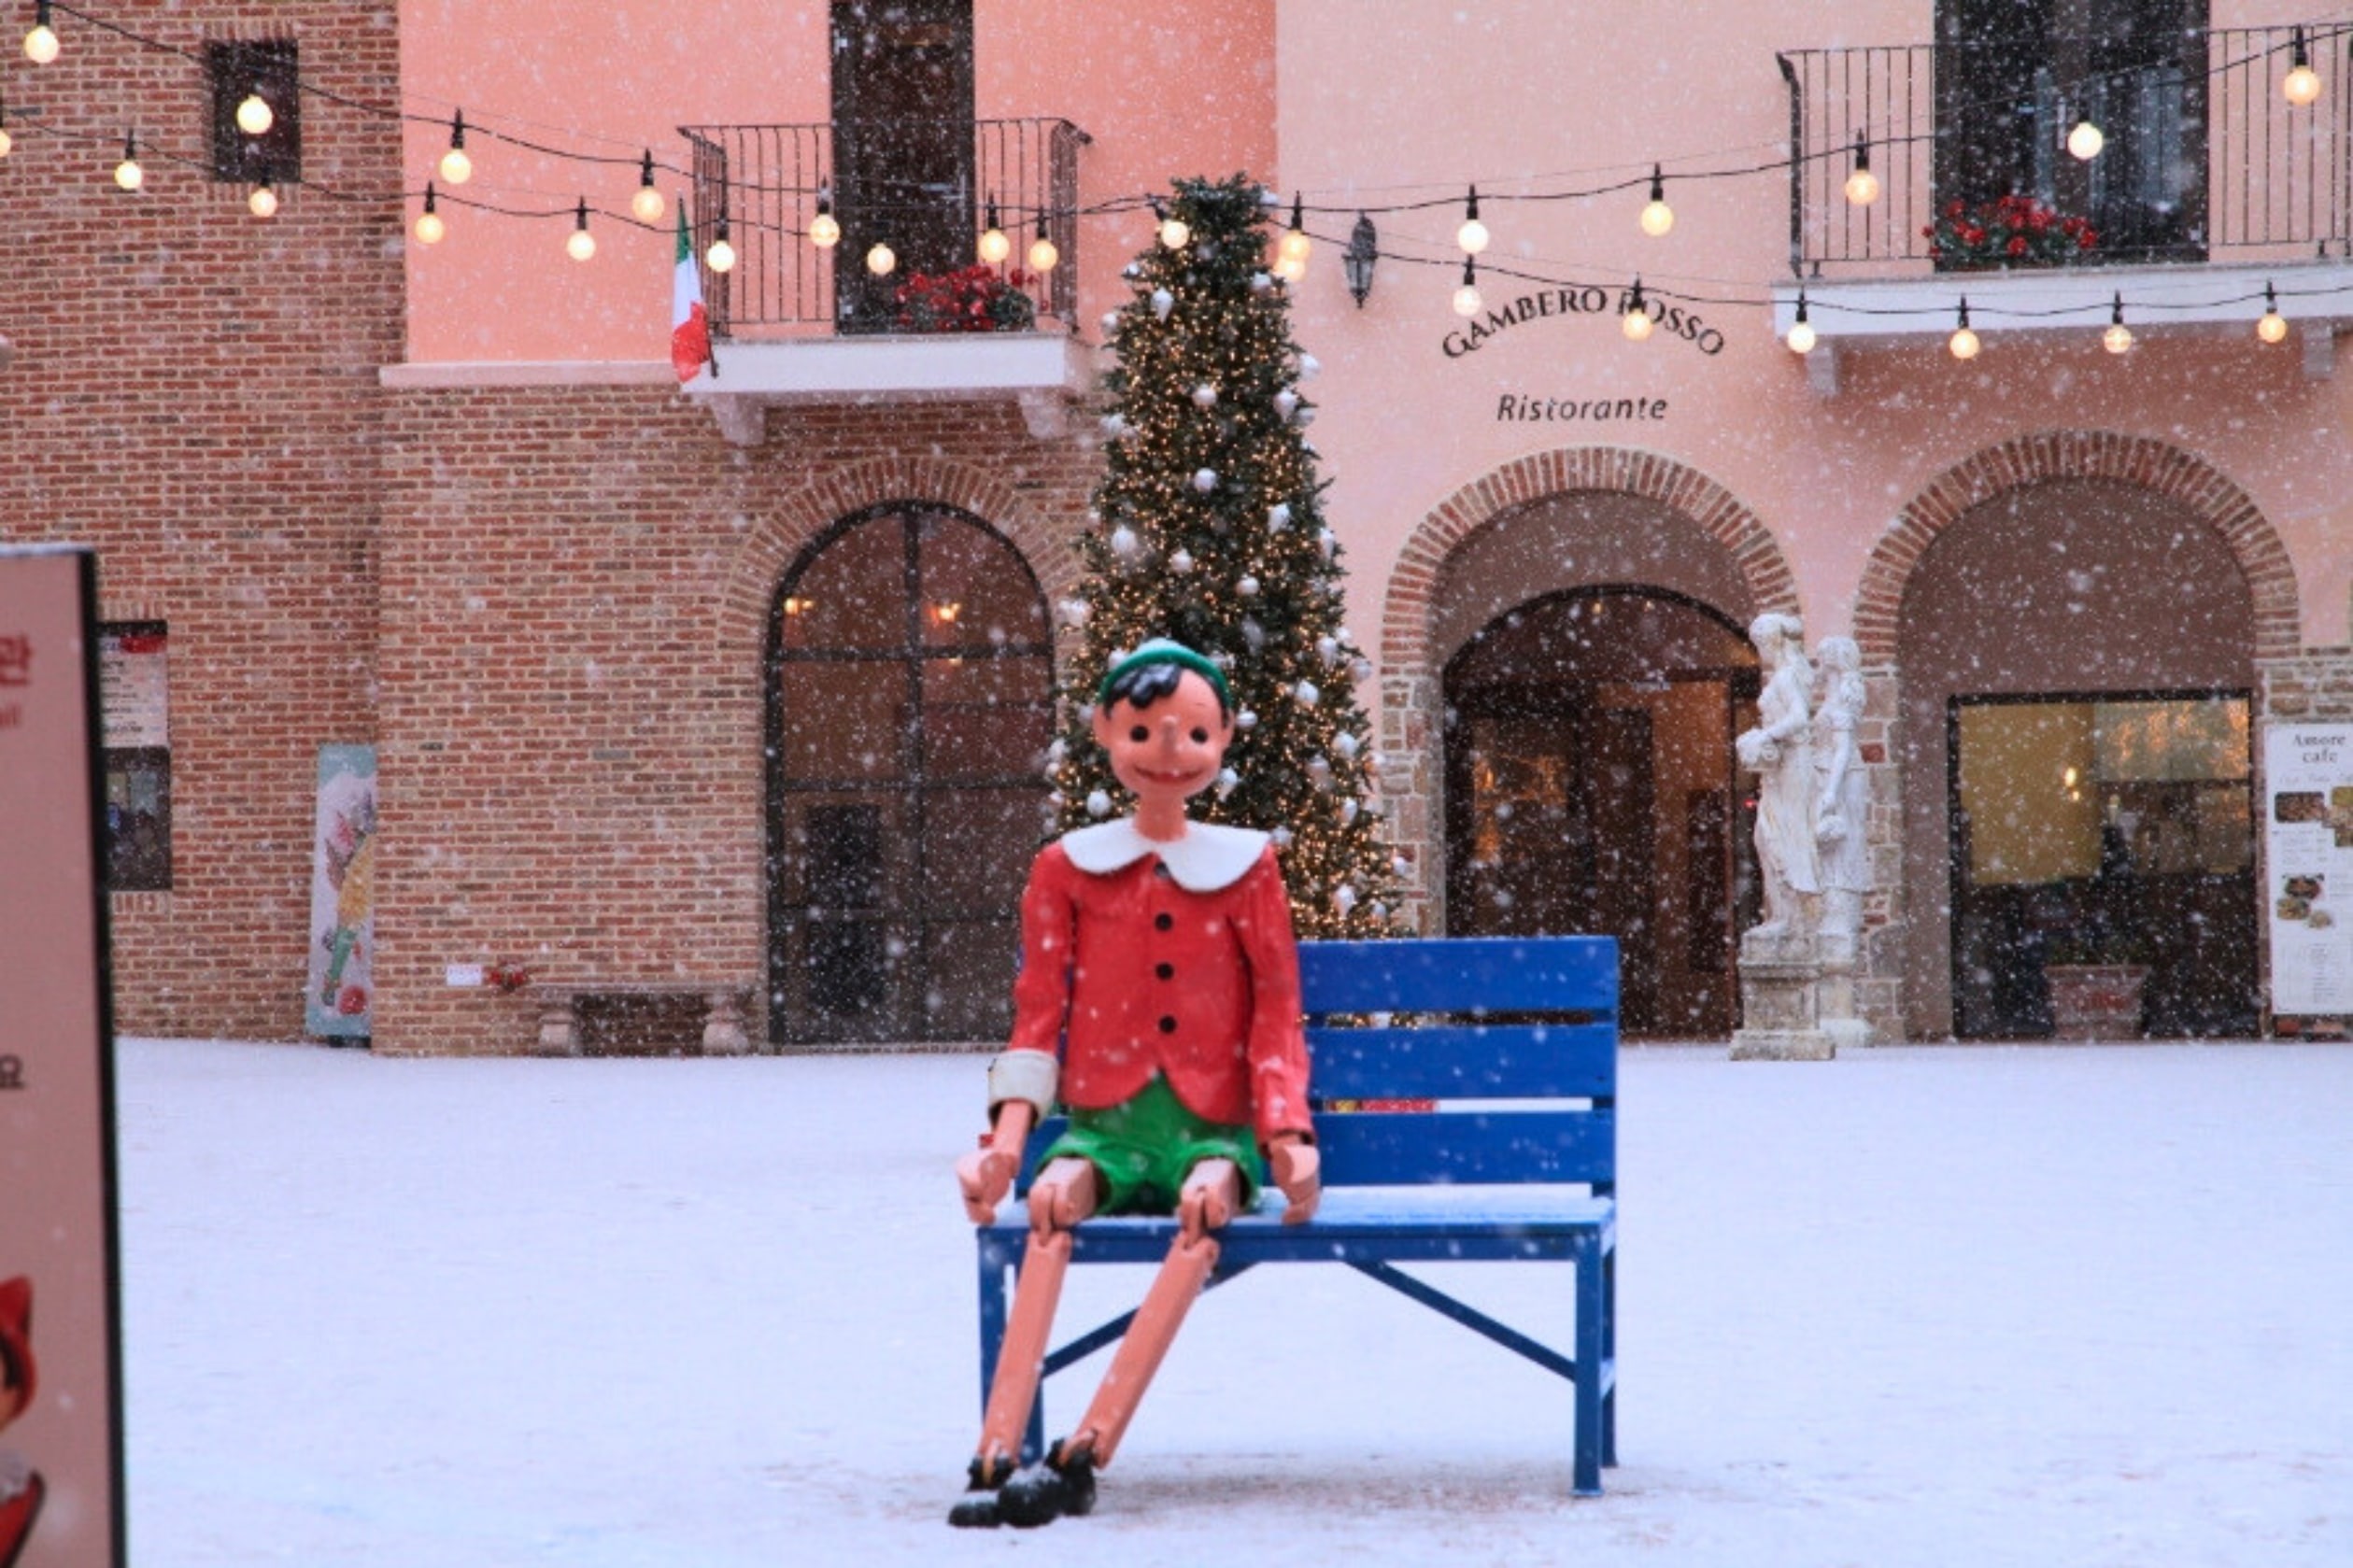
1041, 1493
981, 1513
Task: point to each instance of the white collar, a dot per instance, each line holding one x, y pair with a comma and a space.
1207, 859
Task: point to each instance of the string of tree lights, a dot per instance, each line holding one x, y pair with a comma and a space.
1640, 305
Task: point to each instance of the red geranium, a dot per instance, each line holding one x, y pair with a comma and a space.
978, 299
2007, 229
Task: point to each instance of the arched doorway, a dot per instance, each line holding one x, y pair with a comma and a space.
909, 697
1590, 786
2077, 660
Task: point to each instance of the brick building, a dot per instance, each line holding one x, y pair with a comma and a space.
623, 653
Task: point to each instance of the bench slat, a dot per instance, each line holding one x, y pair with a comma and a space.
1500, 974
1574, 1061
1388, 1149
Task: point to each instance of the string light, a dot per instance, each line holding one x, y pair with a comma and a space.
1467, 301
881, 259
128, 174
1801, 332
255, 117
6, 141
262, 202
1295, 247
1042, 254
720, 258
994, 247
581, 244
1635, 320
429, 228
2302, 84
2117, 339
646, 204
1472, 236
455, 167
40, 45
1174, 232
1862, 186
1964, 342
1657, 217
2086, 140
2273, 327
825, 230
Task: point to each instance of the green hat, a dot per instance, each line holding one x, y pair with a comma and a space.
1162, 650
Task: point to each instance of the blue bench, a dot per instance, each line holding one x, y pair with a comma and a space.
1527, 1024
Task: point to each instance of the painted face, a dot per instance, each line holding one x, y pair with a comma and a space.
1171, 751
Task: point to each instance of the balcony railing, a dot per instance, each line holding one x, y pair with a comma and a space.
925, 191
2204, 157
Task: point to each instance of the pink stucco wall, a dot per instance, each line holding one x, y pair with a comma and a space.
1172, 86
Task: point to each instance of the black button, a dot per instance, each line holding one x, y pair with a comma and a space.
1167, 1026
1162, 920
1160, 869
1166, 971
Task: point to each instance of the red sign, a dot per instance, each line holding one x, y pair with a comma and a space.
61, 1357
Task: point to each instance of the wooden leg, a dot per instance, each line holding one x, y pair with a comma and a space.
1592, 1315
1212, 1196
1063, 1195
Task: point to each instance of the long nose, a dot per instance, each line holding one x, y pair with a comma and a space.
1170, 726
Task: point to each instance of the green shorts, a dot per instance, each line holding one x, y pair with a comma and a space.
1143, 1148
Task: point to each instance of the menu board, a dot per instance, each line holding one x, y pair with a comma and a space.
61, 1351
2308, 867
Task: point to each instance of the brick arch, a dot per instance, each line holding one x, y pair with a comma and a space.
784, 530
1406, 623
1413, 762
2148, 464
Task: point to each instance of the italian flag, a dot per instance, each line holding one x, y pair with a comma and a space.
689, 327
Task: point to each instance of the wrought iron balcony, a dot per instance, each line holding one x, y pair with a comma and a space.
925, 191
2204, 157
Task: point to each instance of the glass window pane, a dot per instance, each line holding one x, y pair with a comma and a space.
844, 720
854, 594
985, 718
976, 591
969, 993
978, 844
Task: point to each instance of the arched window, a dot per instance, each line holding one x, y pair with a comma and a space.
910, 703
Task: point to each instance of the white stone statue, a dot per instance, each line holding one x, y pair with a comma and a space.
1780, 751
1842, 793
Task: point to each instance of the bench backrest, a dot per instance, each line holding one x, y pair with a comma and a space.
1523, 1028
1530, 1022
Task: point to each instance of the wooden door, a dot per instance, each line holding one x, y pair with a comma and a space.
902, 147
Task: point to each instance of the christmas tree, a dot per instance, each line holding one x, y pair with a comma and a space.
1208, 528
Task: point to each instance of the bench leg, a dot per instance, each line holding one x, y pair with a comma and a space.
1610, 1355
1593, 1318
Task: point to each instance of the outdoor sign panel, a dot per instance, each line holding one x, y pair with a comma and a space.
342, 900
2308, 867
61, 1426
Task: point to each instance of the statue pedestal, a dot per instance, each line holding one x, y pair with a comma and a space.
1780, 1001
1834, 999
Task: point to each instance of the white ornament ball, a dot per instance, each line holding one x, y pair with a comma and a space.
1281, 837
1279, 516
1348, 746
1162, 303
1319, 771
1125, 545
1111, 323
1348, 810
1114, 425
1099, 804
1205, 480
1309, 366
1227, 780
1361, 669
1327, 649
1205, 396
1261, 283
1286, 402
1271, 198
1304, 418
1181, 562
1132, 270
1245, 720
1247, 588
1401, 866
1344, 896
1307, 694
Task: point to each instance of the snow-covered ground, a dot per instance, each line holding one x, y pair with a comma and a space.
2039, 1306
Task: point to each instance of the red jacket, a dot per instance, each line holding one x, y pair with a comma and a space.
1179, 957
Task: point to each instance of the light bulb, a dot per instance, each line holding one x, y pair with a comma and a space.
646, 204
881, 259
1288, 270
455, 167
1294, 245
1472, 236
1042, 254
2117, 339
1175, 233
1964, 343
1801, 338
128, 174
1636, 324
429, 228
581, 244
2086, 140
825, 230
720, 258
1862, 186
1467, 301
262, 202
6, 141
1657, 217
995, 246
2272, 328
255, 117
2301, 85
40, 45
